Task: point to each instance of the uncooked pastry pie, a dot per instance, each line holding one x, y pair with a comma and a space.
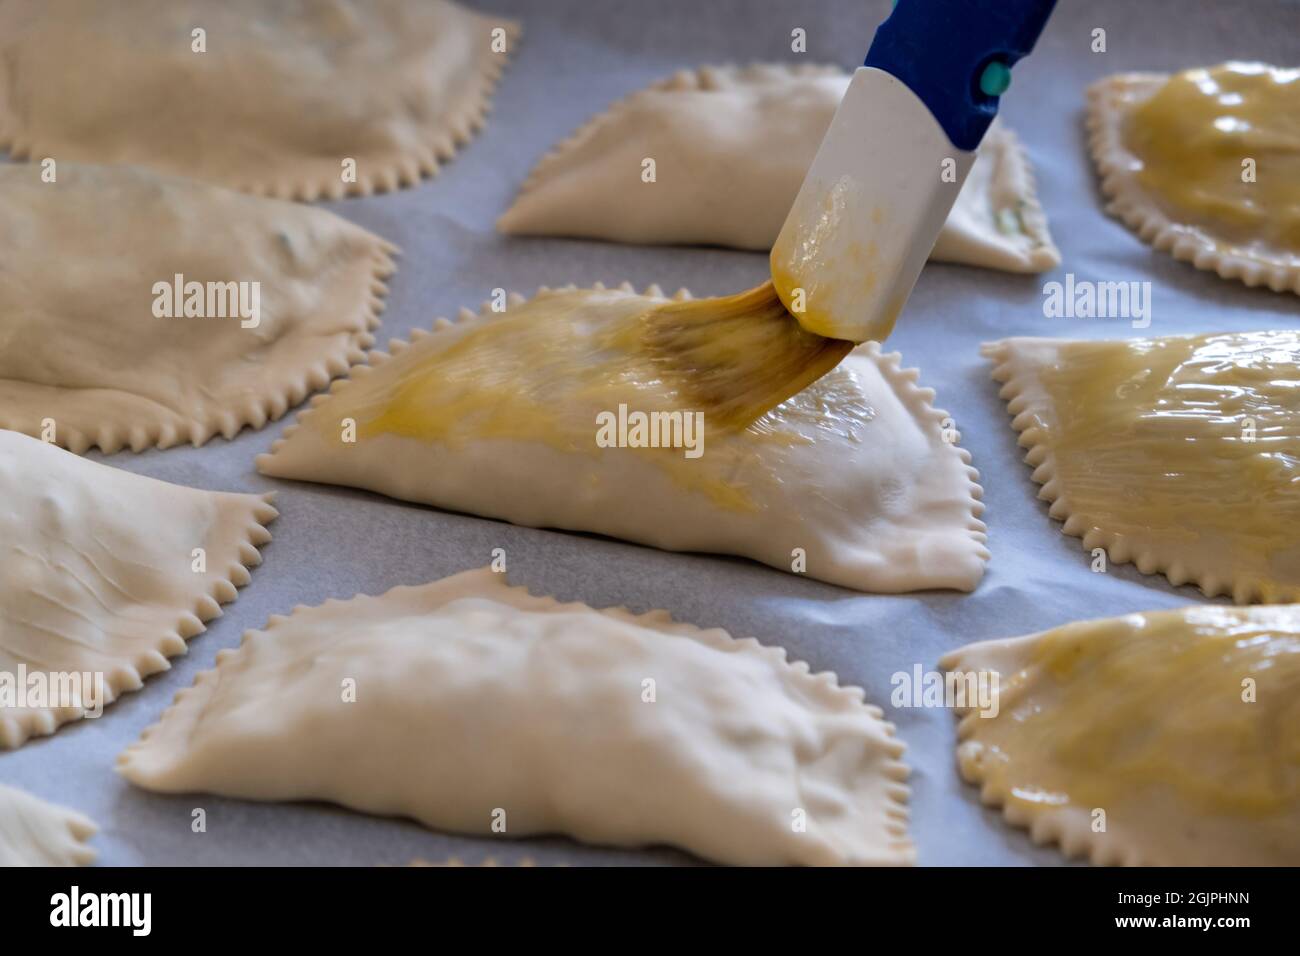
1180, 454
475, 707
103, 576
858, 477
1166, 738
1205, 165
296, 99
140, 310
36, 833
731, 147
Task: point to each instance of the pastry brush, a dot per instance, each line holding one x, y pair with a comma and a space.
871, 206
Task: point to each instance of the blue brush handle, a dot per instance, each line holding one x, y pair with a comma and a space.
942, 49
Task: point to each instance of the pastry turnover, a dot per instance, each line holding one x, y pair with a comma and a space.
140, 310
296, 99
475, 707
36, 833
1205, 165
1167, 738
731, 146
1180, 454
531, 415
103, 576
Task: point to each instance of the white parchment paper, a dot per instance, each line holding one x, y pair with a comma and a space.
576, 57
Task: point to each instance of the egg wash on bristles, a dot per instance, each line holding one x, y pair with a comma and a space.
550, 369
736, 357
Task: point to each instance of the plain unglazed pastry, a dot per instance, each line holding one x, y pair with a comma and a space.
34, 832
731, 146
1176, 453
1205, 165
103, 576
1165, 738
475, 707
498, 415
283, 97
101, 267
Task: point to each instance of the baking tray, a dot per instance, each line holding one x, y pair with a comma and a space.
575, 58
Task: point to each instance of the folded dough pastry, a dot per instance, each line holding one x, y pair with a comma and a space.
1166, 738
501, 414
1178, 454
139, 309
1205, 165
36, 833
475, 707
731, 146
103, 576
297, 99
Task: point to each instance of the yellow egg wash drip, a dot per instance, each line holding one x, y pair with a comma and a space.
1157, 703
542, 372
1185, 441
1193, 135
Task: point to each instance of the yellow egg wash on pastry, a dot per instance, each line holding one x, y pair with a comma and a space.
1184, 442
1191, 711
543, 370
1193, 135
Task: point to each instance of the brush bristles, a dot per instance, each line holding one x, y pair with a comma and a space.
736, 357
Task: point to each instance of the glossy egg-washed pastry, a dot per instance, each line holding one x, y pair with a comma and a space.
731, 146
1166, 738
1205, 164
104, 575
1180, 454
142, 310
475, 707
36, 833
297, 98
518, 414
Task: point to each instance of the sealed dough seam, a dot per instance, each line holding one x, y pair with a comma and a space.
1019, 172
1012, 175
919, 400
1108, 101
